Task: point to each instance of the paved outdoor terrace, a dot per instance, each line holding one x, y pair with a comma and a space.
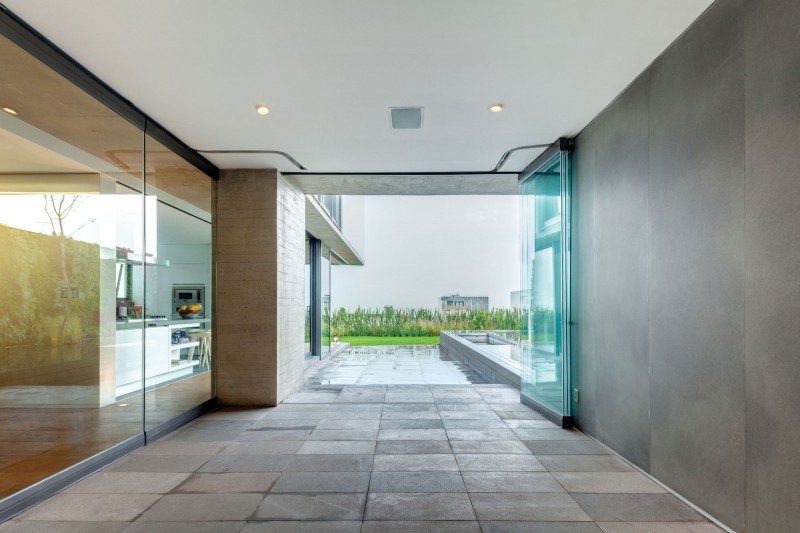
370, 458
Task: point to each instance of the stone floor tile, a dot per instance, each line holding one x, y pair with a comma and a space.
311, 507
419, 423
347, 423
170, 447
395, 447
412, 434
160, 463
15, 526
344, 434
185, 527
489, 423
237, 413
418, 506
470, 415
440, 526
530, 424
368, 396
330, 463
302, 527
523, 414
312, 397
658, 527
267, 434
636, 508
398, 397
247, 463
299, 424
202, 507
275, 447
228, 483
550, 434
203, 435
416, 482
534, 507
461, 405
309, 417
584, 463
326, 447
415, 463
484, 462
490, 447
607, 482
128, 483
511, 482
539, 527
352, 415
480, 434
562, 447
322, 482
355, 408
92, 507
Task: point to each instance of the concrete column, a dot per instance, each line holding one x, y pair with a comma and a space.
258, 249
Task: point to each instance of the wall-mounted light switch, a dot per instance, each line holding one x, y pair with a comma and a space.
576, 395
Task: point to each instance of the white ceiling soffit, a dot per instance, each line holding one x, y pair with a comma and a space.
330, 71
430, 184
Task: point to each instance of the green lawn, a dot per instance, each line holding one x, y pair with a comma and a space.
388, 341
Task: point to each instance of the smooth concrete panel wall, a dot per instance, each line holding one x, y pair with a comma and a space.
772, 313
621, 261
717, 240
697, 257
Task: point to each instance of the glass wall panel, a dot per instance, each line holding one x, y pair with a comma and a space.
543, 279
307, 293
177, 289
325, 311
70, 236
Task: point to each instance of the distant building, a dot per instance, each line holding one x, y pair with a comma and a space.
521, 299
456, 303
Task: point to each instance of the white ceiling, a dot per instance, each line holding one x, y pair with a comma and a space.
329, 70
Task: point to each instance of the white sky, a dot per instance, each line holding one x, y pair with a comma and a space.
419, 248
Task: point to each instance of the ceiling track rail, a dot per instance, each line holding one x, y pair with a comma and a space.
292, 160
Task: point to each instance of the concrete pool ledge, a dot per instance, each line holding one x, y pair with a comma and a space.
487, 353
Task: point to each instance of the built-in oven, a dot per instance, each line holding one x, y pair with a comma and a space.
188, 295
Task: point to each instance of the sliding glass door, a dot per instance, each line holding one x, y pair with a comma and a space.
544, 191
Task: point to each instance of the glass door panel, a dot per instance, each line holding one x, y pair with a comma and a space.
545, 344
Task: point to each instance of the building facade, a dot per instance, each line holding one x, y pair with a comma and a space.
456, 303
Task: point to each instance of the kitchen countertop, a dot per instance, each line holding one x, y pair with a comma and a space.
137, 324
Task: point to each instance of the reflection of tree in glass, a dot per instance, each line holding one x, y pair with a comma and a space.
58, 209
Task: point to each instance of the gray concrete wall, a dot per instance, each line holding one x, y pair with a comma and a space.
258, 251
686, 297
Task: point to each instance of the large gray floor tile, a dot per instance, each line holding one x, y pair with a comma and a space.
530, 424
247, 463
272, 424
498, 463
326, 447
312, 397
62, 527
511, 482
419, 506
539, 527
170, 447
441, 526
275, 447
267, 434
344, 434
566, 447
549, 434
415, 463
458, 423
480, 434
416, 482
527, 506
346, 423
330, 463
584, 463
322, 482
303, 527
412, 434
92, 507
658, 527
128, 483
418, 423
202, 507
470, 415
522, 414
185, 527
489, 447
311, 507
608, 482
228, 483
160, 463
413, 446
636, 508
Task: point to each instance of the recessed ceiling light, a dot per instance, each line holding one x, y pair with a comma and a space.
262, 110
122, 405
496, 108
9, 111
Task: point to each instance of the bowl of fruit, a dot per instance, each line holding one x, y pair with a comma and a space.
190, 311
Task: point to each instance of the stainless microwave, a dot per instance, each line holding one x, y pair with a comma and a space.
188, 295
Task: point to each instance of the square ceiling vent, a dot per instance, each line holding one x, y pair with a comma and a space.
405, 118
